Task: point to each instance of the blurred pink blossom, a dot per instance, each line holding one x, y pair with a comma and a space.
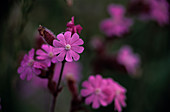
130, 60
67, 46
71, 70
46, 55
160, 11
72, 27
93, 91
118, 94
29, 66
100, 91
117, 25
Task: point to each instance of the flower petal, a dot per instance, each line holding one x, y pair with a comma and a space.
75, 56
95, 102
56, 43
23, 75
117, 105
36, 71
20, 69
58, 50
78, 49
45, 47
41, 52
74, 38
61, 38
69, 56
54, 59
31, 53
86, 92
67, 36
89, 99
78, 42
60, 57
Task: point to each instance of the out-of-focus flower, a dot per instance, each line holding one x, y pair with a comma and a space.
160, 11
72, 71
157, 10
29, 66
130, 60
100, 91
117, 25
93, 90
68, 46
48, 36
117, 94
72, 27
46, 55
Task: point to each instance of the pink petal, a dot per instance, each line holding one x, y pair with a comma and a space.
117, 105
98, 80
54, 59
92, 81
69, 56
31, 53
40, 52
86, 92
67, 36
23, 75
78, 42
41, 57
56, 43
103, 102
46, 47
86, 84
58, 50
95, 104
36, 71
89, 99
20, 69
61, 38
74, 38
75, 56
60, 57
77, 49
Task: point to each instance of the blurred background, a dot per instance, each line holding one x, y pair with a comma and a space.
19, 20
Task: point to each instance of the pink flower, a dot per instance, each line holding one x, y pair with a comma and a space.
159, 11
68, 47
100, 91
72, 27
117, 25
130, 60
46, 55
71, 70
93, 91
117, 94
29, 66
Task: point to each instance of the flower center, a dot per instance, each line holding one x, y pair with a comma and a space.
50, 54
31, 62
117, 92
98, 91
68, 47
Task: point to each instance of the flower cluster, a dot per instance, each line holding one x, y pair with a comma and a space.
101, 91
117, 25
64, 46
